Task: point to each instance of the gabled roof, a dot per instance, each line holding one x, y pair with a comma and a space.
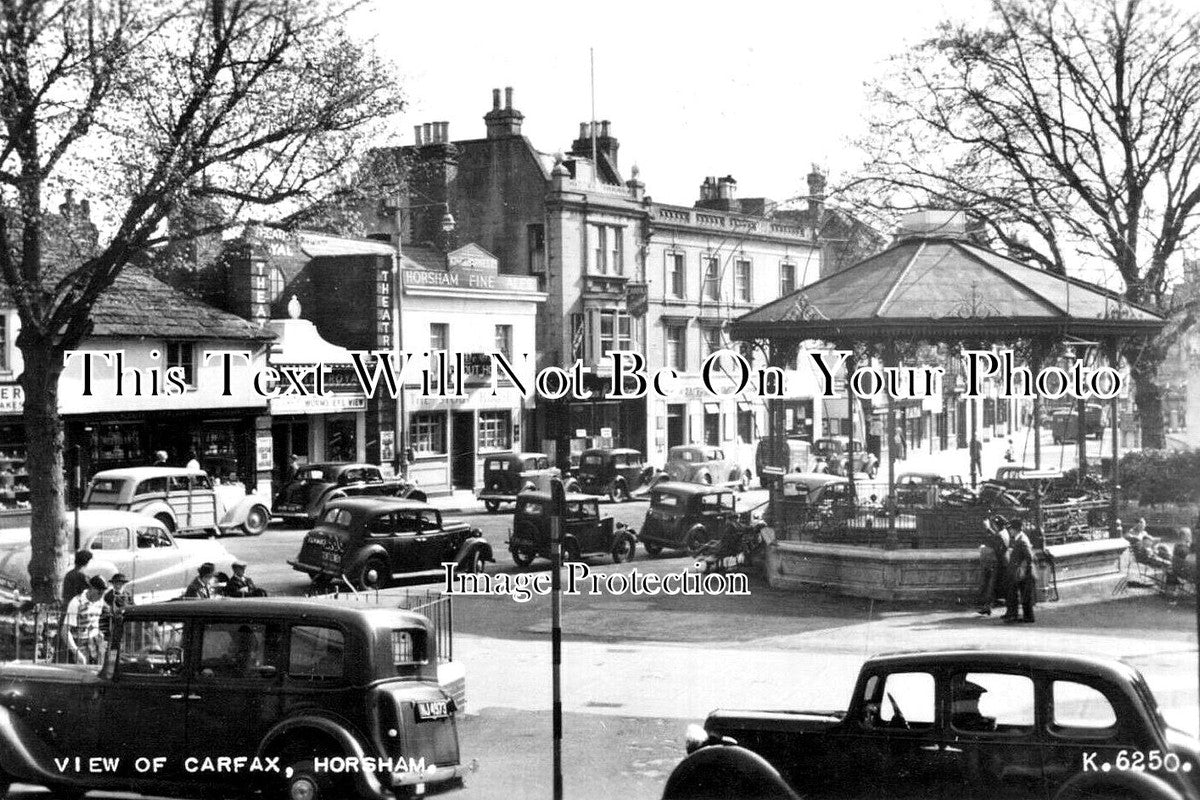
932, 286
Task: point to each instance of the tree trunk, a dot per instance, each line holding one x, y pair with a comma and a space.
1149, 397
50, 554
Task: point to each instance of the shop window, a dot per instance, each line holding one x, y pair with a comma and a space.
183, 355
504, 340
712, 423
340, 439
741, 280
428, 433
439, 337
495, 430
712, 278
787, 278
676, 275
676, 355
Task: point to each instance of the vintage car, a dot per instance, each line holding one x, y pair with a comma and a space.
184, 500
303, 498
224, 698
684, 516
156, 563
813, 498
837, 447
584, 531
371, 541
698, 463
618, 473
955, 724
505, 475
775, 456
925, 488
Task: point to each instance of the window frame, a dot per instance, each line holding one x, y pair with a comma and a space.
439, 330
493, 430
743, 273
783, 266
182, 353
428, 428
675, 274
680, 360
710, 284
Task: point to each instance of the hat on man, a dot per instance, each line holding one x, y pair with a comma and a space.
119, 577
207, 568
239, 565
96, 582
967, 690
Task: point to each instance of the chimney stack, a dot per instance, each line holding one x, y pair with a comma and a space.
816, 196
417, 135
606, 145
496, 100
505, 121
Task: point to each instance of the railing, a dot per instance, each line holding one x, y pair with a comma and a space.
433, 604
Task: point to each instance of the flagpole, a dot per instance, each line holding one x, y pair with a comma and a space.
592, 127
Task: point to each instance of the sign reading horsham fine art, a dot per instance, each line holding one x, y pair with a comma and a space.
464, 278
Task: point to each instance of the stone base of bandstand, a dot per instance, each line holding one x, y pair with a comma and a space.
1079, 571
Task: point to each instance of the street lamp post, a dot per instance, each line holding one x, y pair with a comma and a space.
401, 435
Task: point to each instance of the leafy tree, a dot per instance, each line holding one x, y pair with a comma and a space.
1071, 132
153, 107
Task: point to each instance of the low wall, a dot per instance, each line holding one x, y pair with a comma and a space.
1084, 569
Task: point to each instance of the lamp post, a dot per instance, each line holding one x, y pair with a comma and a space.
447, 225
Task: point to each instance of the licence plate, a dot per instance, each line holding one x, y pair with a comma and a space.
433, 709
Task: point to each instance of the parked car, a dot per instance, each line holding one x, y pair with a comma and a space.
371, 541
955, 724
816, 492
616, 472
694, 463
506, 475
837, 447
155, 562
585, 532
184, 500
304, 497
684, 516
775, 456
271, 685
1063, 422
925, 488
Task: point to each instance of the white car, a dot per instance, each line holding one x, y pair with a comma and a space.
157, 565
184, 500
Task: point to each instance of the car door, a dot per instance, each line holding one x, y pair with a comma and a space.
1082, 723
235, 690
158, 563
203, 502
148, 691
433, 545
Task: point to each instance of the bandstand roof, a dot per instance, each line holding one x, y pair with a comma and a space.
944, 288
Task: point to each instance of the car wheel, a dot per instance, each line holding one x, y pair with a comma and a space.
617, 493
375, 574
695, 540
167, 520
652, 549
418, 496
625, 549
257, 521
473, 563
302, 782
522, 556
492, 506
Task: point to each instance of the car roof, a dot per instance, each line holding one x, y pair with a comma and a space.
545, 496
513, 456
679, 487
818, 478
147, 472
274, 608
367, 504
336, 465
1011, 659
90, 520
613, 451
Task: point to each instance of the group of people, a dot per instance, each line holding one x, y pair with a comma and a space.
94, 609
209, 584
839, 464
1007, 569
1178, 561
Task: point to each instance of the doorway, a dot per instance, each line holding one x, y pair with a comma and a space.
676, 415
462, 459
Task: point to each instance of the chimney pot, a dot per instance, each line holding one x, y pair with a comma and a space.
508, 97
495, 99
428, 132
446, 131
604, 129
583, 130
417, 135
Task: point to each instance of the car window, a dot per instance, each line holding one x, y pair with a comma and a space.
493, 465
383, 525
795, 489
351, 476
683, 455
591, 461
151, 647
310, 474
633, 460
372, 475
989, 702
1081, 708
429, 520
530, 463
151, 486
316, 653
716, 455
664, 500
235, 650
543, 463
337, 517
905, 700
531, 508
111, 539
148, 537
408, 648
618, 460
106, 486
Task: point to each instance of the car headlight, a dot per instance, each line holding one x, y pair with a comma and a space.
695, 737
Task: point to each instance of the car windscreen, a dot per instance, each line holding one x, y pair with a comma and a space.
336, 517
311, 474
683, 455
591, 461
664, 500
105, 488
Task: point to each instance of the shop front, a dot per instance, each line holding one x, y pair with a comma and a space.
450, 436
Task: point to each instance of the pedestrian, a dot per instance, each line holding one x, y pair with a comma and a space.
116, 600
241, 585
201, 587
819, 466
81, 624
899, 444
1008, 453
193, 462
872, 465
160, 458
75, 581
992, 557
1021, 581
293, 467
976, 457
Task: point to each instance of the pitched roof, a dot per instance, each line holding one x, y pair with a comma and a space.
931, 286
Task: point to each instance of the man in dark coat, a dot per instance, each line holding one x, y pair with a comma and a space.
75, 581
1021, 580
992, 558
201, 587
241, 585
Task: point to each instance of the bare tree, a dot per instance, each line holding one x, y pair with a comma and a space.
246, 103
1071, 131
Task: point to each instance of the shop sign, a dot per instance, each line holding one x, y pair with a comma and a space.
317, 405
265, 456
466, 278
606, 433
12, 398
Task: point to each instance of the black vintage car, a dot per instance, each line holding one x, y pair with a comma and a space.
686, 516
585, 532
371, 541
266, 686
303, 498
506, 475
954, 724
617, 472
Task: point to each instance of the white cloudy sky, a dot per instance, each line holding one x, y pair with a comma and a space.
754, 89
